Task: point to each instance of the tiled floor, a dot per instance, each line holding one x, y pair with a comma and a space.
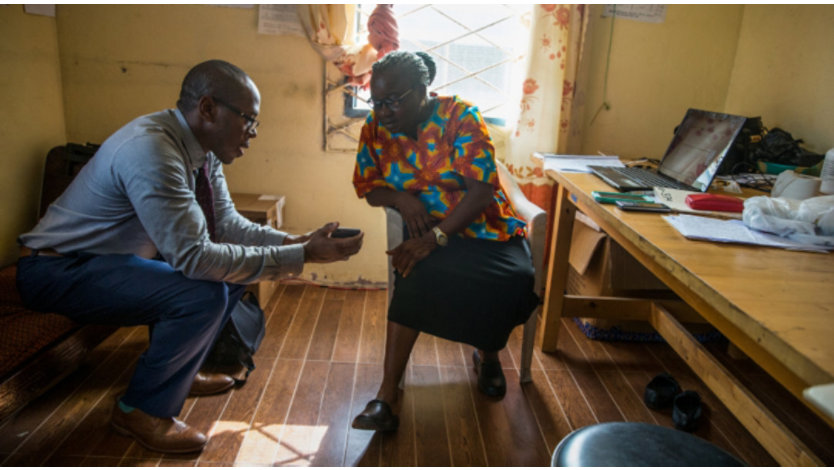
320, 362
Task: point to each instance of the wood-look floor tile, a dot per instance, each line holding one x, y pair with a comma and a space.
300, 332
574, 402
335, 416
324, 335
374, 319
230, 426
429, 417
508, 426
596, 395
556, 360
279, 320
21, 426
424, 352
465, 443
363, 447
321, 362
547, 408
269, 305
260, 442
398, 449
449, 353
62, 424
346, 346
302, 435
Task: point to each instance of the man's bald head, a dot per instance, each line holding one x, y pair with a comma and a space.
212, 78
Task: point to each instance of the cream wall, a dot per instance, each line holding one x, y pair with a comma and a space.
773, 61
657, 71
119, 62
31, 118
100, 66
784, 71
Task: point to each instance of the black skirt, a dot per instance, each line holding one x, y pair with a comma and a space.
472, 291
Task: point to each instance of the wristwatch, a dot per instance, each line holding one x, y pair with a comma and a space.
440, 237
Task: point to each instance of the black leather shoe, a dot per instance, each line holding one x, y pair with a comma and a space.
661, 391
491, 381
377, 416
686, 411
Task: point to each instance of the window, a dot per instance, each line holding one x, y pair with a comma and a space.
477, 50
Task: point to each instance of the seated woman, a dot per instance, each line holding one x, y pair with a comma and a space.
464, 272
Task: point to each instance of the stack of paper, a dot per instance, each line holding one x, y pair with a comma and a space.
732, 231
576, 163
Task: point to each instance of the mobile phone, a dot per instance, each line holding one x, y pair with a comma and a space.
643, 206
344, 233
605, 197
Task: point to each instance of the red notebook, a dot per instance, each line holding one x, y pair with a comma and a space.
714, 202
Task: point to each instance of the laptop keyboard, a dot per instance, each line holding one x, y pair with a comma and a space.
649, 178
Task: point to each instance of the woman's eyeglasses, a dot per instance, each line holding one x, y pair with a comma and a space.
251, 122
393, 102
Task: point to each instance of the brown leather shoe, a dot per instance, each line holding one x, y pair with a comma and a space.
208, 384
167, 435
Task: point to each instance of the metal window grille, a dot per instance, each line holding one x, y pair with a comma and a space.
476, 49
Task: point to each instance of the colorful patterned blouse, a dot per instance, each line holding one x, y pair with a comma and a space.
452, 144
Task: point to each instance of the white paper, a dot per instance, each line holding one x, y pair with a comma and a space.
576, 163
40, 9
732, 231
676, 200
279, 19
822, 396
642, 12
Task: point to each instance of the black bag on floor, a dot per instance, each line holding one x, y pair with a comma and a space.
240, 338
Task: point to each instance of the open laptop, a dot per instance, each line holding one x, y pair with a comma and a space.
701, 143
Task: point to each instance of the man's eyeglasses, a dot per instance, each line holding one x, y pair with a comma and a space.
251, 122
393, 103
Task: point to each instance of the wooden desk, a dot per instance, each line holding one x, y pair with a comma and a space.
775, 305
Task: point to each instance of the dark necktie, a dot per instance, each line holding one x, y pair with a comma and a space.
205, 197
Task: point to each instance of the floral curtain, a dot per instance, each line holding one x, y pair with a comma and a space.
330, 29
557, 35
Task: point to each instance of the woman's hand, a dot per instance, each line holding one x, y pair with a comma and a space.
405, 256
414, 214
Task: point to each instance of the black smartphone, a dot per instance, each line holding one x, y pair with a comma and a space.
643, 206
344, 233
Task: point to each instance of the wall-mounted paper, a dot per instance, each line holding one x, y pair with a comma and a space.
279, 19
645, 13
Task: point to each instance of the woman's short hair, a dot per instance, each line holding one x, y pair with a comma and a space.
212, 77
418, 65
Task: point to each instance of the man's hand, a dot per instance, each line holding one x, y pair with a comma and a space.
414, 213
295, 239
405, 256
320, 248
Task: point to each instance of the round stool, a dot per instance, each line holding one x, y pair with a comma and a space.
638, 444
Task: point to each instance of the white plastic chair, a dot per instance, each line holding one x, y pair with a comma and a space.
536, 219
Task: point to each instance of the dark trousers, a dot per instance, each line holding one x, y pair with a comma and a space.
184, 315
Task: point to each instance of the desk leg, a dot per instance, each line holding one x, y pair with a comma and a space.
557, 269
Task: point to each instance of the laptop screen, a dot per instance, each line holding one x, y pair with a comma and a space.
700, 144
